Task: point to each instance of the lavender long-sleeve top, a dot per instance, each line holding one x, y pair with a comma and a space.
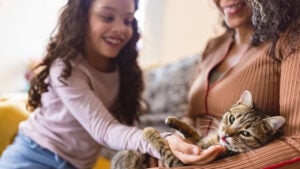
74, 120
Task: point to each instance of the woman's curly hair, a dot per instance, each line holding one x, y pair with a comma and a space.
67, 43
270, 18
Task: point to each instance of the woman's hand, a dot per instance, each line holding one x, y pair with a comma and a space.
191, 154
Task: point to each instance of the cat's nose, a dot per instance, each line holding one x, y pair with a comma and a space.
229, 132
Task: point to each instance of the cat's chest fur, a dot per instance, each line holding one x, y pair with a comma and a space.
210, 139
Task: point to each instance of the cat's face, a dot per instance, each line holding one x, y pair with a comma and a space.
243, 129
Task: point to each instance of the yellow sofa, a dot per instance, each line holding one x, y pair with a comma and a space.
12, 112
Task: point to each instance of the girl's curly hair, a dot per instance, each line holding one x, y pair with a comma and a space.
270, 18
68, 43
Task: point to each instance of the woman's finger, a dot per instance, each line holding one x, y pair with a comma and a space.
210, 156
205, 157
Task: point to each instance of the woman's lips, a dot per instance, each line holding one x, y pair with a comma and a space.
233, 9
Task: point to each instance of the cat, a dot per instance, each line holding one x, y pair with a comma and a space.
128, 159
242, 128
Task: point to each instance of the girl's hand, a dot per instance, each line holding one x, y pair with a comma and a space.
191, 154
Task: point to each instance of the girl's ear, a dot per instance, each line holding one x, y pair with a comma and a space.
246, 99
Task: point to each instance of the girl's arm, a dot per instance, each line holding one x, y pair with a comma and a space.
80, 100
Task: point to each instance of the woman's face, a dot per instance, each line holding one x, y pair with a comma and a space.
236, 13
109, 27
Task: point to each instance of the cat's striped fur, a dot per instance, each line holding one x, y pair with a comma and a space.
241, 129
128, 159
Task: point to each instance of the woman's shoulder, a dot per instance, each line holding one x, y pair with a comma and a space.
289, 41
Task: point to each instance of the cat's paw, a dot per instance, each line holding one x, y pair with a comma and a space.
170, 120
160, 145
150, 133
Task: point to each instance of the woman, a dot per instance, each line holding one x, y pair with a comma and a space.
260, 52
88, 84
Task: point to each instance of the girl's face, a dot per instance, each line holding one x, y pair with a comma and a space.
109, 28
236, 13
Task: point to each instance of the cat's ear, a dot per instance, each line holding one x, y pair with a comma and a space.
246, 99
275, 123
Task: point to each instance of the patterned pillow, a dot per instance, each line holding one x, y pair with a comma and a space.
166, 90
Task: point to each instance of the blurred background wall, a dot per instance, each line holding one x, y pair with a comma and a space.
171, 29
25, 26
177, 28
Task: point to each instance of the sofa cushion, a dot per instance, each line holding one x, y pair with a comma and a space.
166, 90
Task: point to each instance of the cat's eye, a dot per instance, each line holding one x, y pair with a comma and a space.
231, 119
246, 134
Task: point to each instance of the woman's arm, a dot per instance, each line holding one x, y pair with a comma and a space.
283, 149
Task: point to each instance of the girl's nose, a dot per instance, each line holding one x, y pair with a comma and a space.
119, 26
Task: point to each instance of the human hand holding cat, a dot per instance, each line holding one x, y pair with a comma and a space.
191, 154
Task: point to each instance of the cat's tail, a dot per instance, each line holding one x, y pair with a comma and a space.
187, 130
160, 144
128, 159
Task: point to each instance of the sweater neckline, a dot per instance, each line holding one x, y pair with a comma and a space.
226, 54
94, 71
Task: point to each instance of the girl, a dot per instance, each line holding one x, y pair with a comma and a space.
88, 84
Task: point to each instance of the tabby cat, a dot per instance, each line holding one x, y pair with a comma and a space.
241, 129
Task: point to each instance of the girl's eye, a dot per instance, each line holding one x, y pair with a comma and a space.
231, 119
246, 134
128, 22
107, 18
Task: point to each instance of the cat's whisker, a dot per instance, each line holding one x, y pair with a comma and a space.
205, 127
250, 151
210, 119
214, 120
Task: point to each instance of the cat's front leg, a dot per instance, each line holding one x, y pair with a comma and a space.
160, 144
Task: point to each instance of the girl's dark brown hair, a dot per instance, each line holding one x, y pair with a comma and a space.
66, 45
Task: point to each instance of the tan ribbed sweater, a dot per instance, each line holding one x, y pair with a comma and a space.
275, 87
